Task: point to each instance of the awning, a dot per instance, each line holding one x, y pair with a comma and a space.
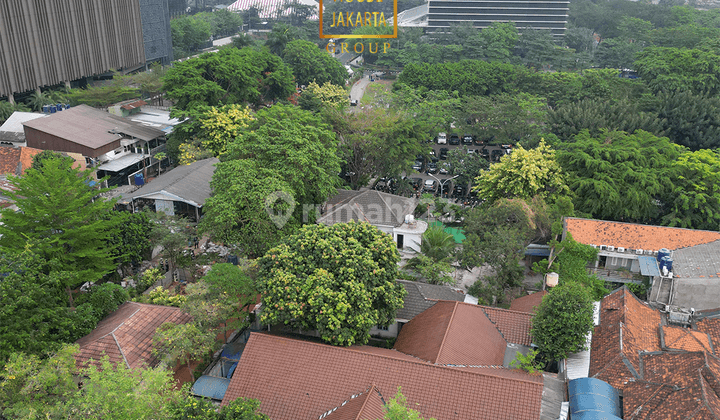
121, 163
648, 266
210, 387
457, 233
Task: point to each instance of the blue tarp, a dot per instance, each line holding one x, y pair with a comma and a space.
592, 398
648, 266
210, 387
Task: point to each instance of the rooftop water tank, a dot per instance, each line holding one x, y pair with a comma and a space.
139, 180
551, 279
592, 398
663, 253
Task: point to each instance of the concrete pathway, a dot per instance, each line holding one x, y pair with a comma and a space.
358, 89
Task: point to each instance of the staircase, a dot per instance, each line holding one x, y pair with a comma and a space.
661, 291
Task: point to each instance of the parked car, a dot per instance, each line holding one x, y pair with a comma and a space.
444, 168
430, 185
495, 155
471, 151
467, 139
479, 141
354, 102
454, 139
432, 168
443, 153
442, 138
484, 153
418, 165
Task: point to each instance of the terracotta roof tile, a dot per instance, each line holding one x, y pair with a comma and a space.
16, 160
710, 326
367, 406
627, 328
527, 303
453, 333
514, 326
300, 380
125, 336
677, 338
636, 236
673, 368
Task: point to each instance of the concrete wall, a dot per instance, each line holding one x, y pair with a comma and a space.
47, 42
157, 37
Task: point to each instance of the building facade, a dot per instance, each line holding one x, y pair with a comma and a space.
45, 42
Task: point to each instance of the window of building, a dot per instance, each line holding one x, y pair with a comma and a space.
381, 328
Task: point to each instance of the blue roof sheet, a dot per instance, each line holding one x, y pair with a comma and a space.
648, 266
210, 387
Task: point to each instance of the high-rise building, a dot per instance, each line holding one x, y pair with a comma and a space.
47, 42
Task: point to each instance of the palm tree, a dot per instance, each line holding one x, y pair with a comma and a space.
437, 244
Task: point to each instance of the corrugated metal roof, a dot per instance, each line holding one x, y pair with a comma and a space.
210, 387
122, 162
14, 122
190, 183
90, 127
648, 266
578, 364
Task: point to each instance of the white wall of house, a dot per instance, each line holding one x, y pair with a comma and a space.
392, 331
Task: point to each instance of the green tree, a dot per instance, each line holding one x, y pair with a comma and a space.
338, 280
690, 120
316, 97
33, 310
312, 64
563, 320
377, 143
193, 408
619, 176
188, 34
524, 174
230, 76
397, 409
58, 209
695, 201
237, 211
173, 234
280, 36
668, 69
39, 158
437, 244
132, 243
182, 343
498, 41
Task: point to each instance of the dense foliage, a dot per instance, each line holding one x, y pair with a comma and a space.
338, 280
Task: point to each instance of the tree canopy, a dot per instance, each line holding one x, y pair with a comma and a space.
230, 76
338, 280
312, 64
563, 320
71, 229
524, 174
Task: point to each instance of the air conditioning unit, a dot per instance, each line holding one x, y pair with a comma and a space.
648, 252
655, 253
610, 248
621, 249
603, 247
593, 245
639, 251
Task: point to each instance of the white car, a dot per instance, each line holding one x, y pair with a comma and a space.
442, 138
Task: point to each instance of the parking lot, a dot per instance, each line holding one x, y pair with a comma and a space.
448, 184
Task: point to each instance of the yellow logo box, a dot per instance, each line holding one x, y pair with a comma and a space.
354, 19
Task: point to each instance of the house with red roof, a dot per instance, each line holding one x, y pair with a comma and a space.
629, 249
663, 370
450, 361
125, 336
528, 303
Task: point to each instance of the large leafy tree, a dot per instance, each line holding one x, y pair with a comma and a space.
524, 174
132, 243
338, 280
563, 320
230, 76
679, 68
59, 209
619, 176
690, 119
312, 64
377, 143
695, 201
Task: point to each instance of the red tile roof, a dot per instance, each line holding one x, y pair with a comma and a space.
627, 327
125, 336
367, 406
457, 333
676, 385
636, 236
300, 380
711, 326
677, 338
514, 326
16, 160
527, 303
